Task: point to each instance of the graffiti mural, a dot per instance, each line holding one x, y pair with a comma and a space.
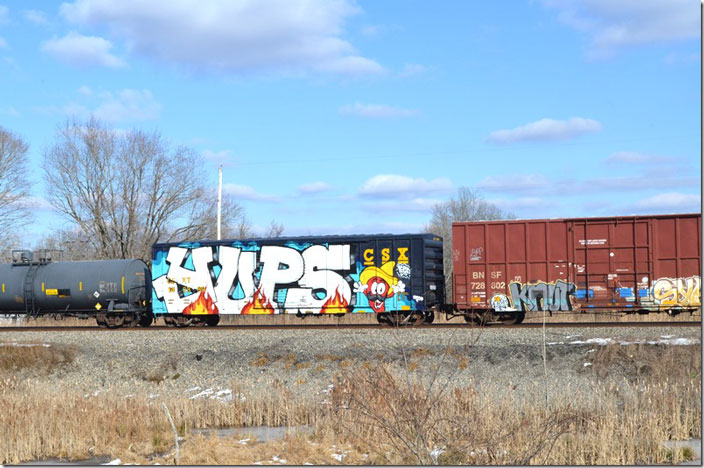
542, 296
273, 279
677, 291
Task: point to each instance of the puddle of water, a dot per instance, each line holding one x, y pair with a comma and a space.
693, 444
262, 433
57, 461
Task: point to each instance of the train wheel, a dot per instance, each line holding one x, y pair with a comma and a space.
384, 319
212, 320
183, 321
100, 318
428, 316
477, 318
513, 319
114, 320
146, 320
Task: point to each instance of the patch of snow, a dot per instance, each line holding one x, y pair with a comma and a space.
606, 341
555, 342
243, 441
116, 461
587, 364
204, 393
436, 452
26, 345
192, 389
340, 456
152, 395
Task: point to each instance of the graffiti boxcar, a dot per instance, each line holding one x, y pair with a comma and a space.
397, 277
630, 263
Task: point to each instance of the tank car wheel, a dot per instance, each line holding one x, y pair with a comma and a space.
114, 321
212, 320
100, 318
146, 320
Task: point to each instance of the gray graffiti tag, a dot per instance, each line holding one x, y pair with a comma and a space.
542, 296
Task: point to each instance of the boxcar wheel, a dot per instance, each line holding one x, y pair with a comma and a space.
428, 316
513, 319
477, 318
212, 320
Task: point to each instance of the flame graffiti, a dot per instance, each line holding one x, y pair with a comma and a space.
259, 304
204, 305
335, 305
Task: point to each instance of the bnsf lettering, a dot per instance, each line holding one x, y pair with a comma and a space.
477, 275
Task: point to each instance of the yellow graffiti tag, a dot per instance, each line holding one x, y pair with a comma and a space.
678, 291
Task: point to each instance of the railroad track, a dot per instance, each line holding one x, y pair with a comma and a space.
359, 326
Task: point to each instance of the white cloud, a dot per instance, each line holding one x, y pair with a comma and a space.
79, 50
85, 90
616, 24
418, 205
632, 157
411, 69
36, 17
525, 203
219, 158
125, 105
376, 226
546, 130
671, 202
398, 186
248, 193
128, 104
377, 111
10, 112
314, 187
242, 36
514, 183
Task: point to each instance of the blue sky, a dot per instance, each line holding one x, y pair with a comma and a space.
346, 116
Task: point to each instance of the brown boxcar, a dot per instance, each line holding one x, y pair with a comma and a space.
628, 263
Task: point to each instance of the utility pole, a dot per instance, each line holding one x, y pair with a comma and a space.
219, 197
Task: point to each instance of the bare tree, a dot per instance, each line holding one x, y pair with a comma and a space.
73, 244
127, 190
14, 184
467, 205
274, 230
203, 224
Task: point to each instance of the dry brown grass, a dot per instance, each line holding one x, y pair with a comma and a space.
46, 357
379, 413
400, 418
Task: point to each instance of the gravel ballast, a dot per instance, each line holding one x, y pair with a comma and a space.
178, 363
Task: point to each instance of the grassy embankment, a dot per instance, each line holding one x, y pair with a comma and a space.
378, 413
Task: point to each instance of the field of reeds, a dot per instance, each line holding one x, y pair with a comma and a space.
376, 412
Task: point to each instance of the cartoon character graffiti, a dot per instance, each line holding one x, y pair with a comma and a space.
500, 302
379, 284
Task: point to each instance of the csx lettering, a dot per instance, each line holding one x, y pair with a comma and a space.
402, 257
385, 255
368, 256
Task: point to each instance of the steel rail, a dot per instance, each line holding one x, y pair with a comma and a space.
360, 326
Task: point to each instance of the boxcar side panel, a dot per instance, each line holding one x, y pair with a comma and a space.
297, 275
623, 263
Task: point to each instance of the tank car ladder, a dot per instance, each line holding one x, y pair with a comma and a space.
29, 290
